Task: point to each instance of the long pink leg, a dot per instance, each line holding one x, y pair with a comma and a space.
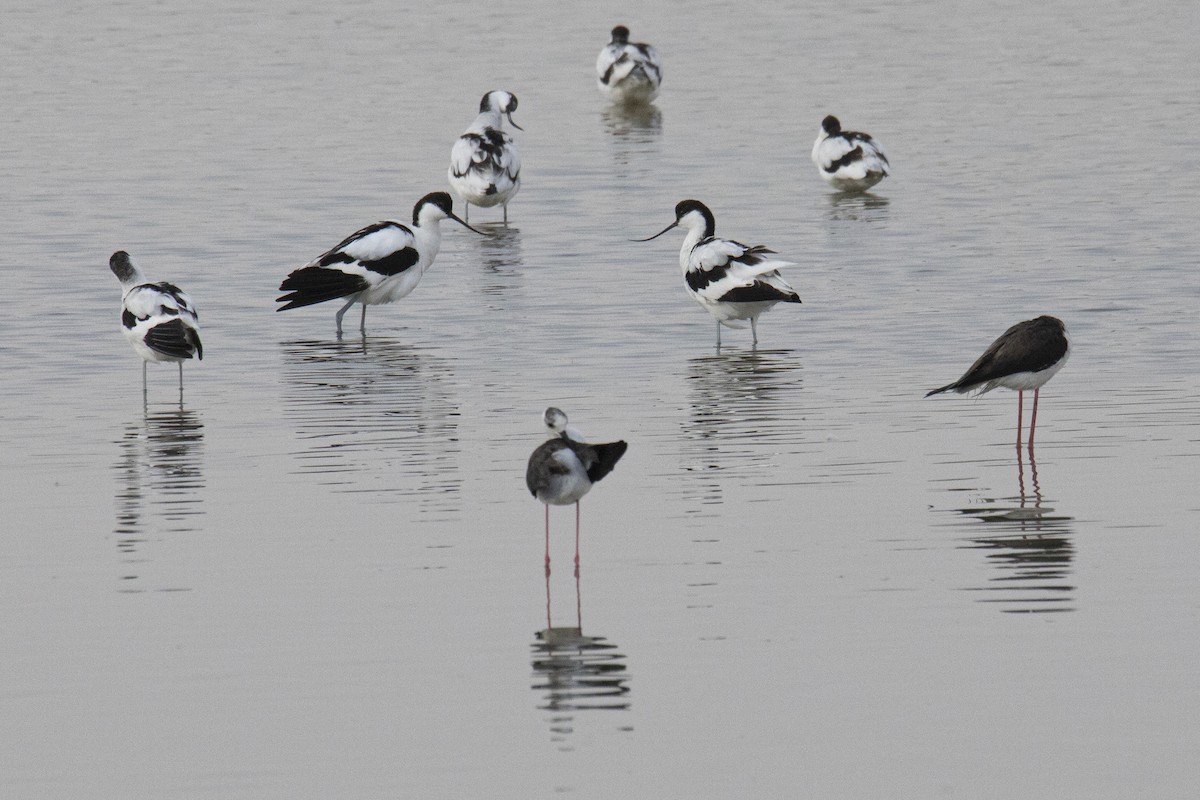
576, 538
547, 538
1020, 413
1033, 418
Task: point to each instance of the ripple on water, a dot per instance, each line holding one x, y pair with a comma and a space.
375, 416
1027, 544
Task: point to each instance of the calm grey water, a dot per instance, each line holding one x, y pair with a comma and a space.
320, 574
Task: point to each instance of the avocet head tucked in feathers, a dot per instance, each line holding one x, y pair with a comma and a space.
1025, 356
628, 72
379, 264
485, 167
159, 319
732, 281
564, 468
849, 160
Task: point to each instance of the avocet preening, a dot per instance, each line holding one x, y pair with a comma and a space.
628, 72
731, 281
850, 161
485, 167
1024, 357
379, 264
159, 319
562, 469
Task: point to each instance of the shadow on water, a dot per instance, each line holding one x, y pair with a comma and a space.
160, 476
857, 207
1029, 545
575, 672
377, 406
744, 408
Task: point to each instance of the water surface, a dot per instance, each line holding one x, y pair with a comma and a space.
320, 574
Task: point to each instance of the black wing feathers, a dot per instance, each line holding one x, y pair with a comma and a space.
309, 285
174, 339
603, 457
1030, 346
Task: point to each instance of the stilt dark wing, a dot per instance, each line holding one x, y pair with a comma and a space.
604, 458
543, 465
1030, 346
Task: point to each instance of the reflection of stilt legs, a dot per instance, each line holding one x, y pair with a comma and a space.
1037, 489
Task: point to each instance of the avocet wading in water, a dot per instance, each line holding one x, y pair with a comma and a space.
564, 468
379, 264
485, 167
628, 72
732, 281
1024, 357
159, 319
849, 161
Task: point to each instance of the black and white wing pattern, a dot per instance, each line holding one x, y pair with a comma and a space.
486, 162
164, 319
628, 71
848, 159
722, 270
360, 262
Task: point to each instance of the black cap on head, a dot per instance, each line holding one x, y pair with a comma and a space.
620, 35
440, 199
685, 207
831, 125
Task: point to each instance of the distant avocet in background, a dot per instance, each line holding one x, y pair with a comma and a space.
563, 469
379, 264
850, 161
158, 319
628, 72
731, 281
1024, 357
485, 167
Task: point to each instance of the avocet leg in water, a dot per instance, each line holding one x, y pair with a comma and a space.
485, 167
159, 319
1024, 357
564, 468
731, 281
628, 72
848, 160
379, 264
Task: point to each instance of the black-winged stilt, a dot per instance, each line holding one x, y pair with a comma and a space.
564, 468
1024, 357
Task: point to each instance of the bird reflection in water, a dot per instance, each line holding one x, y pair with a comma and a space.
500, 255
1029, 545
375, 415
860, 207
744, 407
160, 475
576, 672
640, 123
635, 132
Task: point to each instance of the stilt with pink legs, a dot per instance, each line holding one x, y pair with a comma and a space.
564, 468
1024, 357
